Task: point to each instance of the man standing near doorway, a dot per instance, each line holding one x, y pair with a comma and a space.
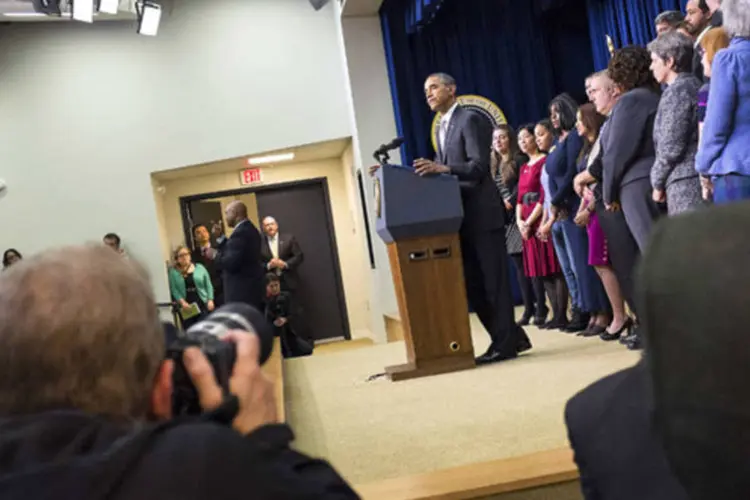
464, 139
205, 254
281, 254
238, 258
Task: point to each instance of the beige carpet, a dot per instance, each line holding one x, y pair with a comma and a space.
380, 429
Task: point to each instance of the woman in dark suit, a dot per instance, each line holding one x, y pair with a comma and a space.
504, 163
628, 143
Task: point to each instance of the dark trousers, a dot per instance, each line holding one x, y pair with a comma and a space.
622, 249
532, 291
485, 260
639, 209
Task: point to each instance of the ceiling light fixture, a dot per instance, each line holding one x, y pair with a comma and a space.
263, 160
23, 14
83, 10
149, 17
109, 6
49, 7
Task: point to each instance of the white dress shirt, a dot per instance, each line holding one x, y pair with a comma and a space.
273, 243
700, 37
445, 122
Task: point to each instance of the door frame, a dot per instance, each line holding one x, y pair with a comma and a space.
281, 186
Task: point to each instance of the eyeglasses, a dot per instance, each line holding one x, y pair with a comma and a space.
183, 254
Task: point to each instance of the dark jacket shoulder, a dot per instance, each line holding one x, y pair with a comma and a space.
617, 449
216, 462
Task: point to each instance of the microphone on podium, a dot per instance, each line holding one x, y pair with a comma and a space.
381, 154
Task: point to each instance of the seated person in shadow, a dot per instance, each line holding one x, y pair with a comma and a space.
280, 313
611, 424
694, 292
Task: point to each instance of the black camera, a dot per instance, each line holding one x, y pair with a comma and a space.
279, 306
208, 335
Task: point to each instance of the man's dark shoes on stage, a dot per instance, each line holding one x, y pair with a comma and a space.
523, 345
493, 356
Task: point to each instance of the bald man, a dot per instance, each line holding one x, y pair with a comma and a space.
281, 254
238, 258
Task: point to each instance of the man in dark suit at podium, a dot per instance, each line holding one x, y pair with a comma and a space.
238, 258
464, 138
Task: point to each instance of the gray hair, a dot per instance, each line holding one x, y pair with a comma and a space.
269, 218
444, 78
736, 17
604, 76
676, 46
670, 17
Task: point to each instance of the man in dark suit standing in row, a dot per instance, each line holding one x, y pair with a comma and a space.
238, 258
464, 141
281, 254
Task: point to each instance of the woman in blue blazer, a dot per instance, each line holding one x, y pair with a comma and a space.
724, 153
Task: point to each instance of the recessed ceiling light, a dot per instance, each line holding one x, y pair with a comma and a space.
109, 6
262, 160
24, 14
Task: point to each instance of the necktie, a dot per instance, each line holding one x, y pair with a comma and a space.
443, 132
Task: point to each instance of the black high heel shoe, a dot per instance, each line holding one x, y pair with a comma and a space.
626, 327
525, 319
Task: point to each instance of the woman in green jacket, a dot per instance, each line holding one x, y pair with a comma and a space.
190, 286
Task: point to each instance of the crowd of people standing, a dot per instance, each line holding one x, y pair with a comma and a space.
585, 186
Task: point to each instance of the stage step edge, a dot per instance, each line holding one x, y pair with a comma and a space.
479, 480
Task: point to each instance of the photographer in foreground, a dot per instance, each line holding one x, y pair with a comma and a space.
86, 397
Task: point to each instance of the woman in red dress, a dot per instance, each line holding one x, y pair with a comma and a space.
539, 260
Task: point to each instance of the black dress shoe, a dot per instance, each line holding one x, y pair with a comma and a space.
494, 356
557, 324
594, 331
540, 321
523, 345
576, 327
625, 330
636, 344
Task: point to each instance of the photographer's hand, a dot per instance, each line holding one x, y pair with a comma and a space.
251, 386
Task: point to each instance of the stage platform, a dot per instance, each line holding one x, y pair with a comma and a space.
373, 430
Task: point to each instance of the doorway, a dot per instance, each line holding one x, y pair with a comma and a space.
303, 209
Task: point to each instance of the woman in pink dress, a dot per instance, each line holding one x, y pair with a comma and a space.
589, 125
539, 260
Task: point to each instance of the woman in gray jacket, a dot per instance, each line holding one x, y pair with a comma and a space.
673, 176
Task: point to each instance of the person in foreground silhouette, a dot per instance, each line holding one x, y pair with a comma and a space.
89, 416
695, 319
618, 447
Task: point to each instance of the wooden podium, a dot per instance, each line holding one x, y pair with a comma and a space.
418, 218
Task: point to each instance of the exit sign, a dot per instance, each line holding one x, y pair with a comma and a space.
251, 176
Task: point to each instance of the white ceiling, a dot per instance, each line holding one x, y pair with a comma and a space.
24, 7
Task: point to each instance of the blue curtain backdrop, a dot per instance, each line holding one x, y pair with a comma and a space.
628, 22
517, 53
505, 50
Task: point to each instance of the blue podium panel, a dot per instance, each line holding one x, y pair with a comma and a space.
409, 206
